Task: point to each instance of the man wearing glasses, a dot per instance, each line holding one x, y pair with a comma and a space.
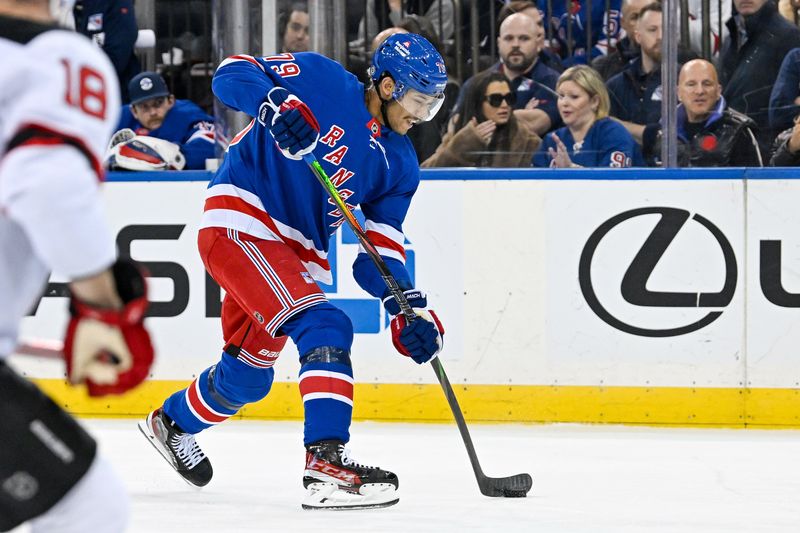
158, 132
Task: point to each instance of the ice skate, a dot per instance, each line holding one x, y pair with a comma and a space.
179, 448
335, 481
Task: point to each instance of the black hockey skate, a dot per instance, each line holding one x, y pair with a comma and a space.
336, 481
178, 448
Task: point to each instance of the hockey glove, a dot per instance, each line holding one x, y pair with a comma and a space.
109, 349
143, 152
293, 125
423, 338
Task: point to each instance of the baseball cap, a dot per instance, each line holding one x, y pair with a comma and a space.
146, 85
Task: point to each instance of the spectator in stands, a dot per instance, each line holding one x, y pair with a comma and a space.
293, 28
532, 82
784, 102
789, 9
589, 138
570, 24
636, 91
527, 7
758, 40
186, 131
381, 14
786, 151
626, 50
486, 133
111, 24
718, 11
710, 134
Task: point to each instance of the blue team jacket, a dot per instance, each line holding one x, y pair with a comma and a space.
782, 108
185, 125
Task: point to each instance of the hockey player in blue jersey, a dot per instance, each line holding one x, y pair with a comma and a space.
167, 134
264, 238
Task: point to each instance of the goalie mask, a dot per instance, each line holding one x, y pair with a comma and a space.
417, 70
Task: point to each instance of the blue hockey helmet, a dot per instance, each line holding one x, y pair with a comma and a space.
417, 69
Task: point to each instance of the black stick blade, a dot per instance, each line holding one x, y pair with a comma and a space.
506, 487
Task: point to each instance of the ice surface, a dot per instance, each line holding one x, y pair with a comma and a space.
586, 479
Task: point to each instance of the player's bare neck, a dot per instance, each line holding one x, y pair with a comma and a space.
35, 11
373, 103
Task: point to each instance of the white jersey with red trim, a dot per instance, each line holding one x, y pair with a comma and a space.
59, 103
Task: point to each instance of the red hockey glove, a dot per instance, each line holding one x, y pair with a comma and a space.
423, 338
109, 349
293, 125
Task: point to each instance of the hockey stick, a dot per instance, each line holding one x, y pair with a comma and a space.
510, 487
49, 349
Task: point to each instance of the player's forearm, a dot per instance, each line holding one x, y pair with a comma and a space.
369, 279
59, 206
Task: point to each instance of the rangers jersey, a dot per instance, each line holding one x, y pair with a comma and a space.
607, 144
259, 191
59, 103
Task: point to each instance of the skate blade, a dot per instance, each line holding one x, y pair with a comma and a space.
328, 496
144, 427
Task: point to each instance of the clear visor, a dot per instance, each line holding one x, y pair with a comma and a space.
421, 106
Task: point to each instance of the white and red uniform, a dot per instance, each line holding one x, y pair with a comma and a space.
59, 104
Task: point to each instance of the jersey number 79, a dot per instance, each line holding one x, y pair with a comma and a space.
86, 89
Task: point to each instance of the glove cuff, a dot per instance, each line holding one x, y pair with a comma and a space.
417, 299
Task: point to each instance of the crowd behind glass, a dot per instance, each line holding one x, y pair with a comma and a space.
578, 83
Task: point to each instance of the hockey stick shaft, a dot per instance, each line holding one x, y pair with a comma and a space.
401, 300
40, 348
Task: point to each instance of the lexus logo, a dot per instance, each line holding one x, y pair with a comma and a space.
634, 289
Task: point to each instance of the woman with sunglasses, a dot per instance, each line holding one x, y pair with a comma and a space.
487, 135
589, 137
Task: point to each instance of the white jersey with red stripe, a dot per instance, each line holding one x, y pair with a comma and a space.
259, 191
59, 103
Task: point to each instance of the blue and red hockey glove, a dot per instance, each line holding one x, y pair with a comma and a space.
291, 122
423, 338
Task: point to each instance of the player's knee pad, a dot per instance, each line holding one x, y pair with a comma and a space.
325, 355
326, 386
45, 452
238, 383
321, 325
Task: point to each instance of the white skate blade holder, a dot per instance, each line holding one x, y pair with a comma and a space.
370, 496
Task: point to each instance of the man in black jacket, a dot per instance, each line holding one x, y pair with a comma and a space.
759, 39
710, 134
786, 150
635, 93
627, 49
